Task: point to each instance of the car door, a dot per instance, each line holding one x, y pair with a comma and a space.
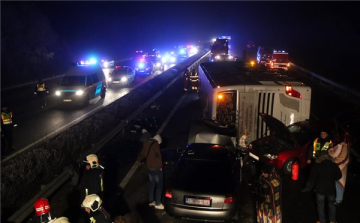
97, 85
89, 86
131, 74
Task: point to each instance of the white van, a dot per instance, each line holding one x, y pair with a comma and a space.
81, 84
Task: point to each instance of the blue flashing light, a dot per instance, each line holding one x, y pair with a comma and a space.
92, 61
141, 65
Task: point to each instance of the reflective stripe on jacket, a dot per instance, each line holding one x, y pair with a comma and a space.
317, 148
6, 118
40, 87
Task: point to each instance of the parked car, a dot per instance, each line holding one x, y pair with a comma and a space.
286, 145
204, 184
121, 75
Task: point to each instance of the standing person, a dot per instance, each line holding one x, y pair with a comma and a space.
341, 154
324, 174
319, 146
6, 129
94, 172
97, 214
41, 91
145, 136
268, 196
151, 152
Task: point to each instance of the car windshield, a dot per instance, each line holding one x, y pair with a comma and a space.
73, 81
212, 171
301, 135
119, 72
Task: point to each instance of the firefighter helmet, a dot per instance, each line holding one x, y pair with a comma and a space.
61, 220
158, 139
41, 206
92, 201
93, 160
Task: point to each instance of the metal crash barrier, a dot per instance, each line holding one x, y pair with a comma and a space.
26, 210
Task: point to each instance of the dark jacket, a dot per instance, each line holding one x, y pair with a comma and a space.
154, 159
324, 175
93, 180
100, 216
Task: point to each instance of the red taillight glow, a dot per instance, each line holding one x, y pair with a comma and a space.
291, 92
116, 67
168, 193
229, 199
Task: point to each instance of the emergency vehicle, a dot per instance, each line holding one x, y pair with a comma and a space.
234, 95
81, 83
264, 55
220, 47
280, 60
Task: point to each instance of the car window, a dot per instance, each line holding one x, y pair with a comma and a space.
219, 171
89, 81
73, 81
95, 78
301, 135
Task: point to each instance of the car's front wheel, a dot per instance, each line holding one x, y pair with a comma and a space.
288, 166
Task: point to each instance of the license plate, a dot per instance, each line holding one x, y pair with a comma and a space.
67, 100
116, 82
253, 156
200, 202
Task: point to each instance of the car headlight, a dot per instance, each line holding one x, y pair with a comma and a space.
79, 92
106, 64
217, 57
109, 79
270, 156
172, 59
158, 64
164, 59
231, 57
57, 93
124, 79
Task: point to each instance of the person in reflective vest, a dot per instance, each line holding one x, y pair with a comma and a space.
320, 146
194, 80
41, 91
6, 129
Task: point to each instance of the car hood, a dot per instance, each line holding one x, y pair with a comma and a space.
208, 131
271, 144
276, 127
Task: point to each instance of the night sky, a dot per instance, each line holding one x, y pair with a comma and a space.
324, 36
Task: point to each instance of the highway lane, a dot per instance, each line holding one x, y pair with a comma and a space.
131, 202
34, 123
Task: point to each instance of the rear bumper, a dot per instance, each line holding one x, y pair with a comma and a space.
200, 214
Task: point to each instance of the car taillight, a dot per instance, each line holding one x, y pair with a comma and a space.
168, 193
229, 199
291, 92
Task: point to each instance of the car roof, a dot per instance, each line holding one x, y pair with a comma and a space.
205, 151
83, 70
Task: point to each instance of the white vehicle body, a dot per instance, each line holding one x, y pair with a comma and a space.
246, 92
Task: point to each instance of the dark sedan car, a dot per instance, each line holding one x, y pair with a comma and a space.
121, 75
204, 184
286, 145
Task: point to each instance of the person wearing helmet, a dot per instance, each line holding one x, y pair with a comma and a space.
61, 220
151, 152
41, 91
92, 204
93, 176
42, 210
7, 125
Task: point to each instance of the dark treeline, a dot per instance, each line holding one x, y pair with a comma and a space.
30, 48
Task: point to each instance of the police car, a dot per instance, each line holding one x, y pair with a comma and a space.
121, 75
144, 66
81, 83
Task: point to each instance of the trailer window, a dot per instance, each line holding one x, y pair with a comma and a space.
226, 108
